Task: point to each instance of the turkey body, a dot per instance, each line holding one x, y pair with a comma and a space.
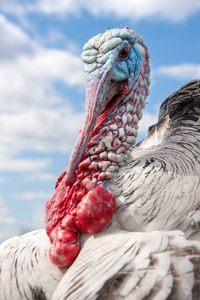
117, 263
158, 188
131, 212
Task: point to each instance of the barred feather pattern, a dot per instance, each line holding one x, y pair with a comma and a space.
155, 266
26, 271
149, 265
158, 188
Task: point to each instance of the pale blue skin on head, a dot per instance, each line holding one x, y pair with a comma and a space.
100, 55
122, 69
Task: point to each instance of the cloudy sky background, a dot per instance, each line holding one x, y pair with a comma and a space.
42, 93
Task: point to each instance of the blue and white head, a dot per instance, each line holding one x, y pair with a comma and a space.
115, 56
116, 66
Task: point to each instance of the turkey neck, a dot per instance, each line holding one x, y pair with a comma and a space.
111, 142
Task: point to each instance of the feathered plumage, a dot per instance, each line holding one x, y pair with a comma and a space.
158, 188
144, 252
112, 264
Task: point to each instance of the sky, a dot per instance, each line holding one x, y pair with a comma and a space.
42, 94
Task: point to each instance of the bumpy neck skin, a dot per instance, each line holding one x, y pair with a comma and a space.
117, 83
117, 72
113, 137
117, 89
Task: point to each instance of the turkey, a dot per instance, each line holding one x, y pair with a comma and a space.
123, 222
117, 72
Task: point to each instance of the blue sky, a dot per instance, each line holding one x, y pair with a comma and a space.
42, 93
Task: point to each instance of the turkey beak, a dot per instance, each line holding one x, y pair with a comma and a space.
96, 92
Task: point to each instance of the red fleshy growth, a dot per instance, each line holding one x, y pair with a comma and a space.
66, 215
82, 204
55, 209
65, 244
68, 223
95, 210
63, 255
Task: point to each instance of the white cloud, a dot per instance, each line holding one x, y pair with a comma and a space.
37, 200
8, 163
41, 130
170, 10
181, 71
147, 120
62, 6
38, 214
31, 80
31, 195
40, 177
14, 41
4, 214
8, 224
29, 72
34, 116
55, 37
11, 226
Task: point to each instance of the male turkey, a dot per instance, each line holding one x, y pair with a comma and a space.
136, 196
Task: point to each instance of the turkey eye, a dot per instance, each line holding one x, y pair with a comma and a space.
124, 53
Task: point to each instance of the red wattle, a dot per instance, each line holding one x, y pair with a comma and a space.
68, 223
92, 213
63, 255
64, 248
95, 210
